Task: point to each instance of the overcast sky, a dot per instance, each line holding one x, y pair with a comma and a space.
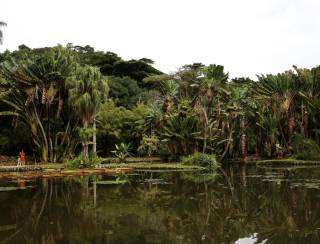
248, 37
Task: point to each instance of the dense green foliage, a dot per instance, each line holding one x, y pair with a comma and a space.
306, 149
118, 124
56, 100
53, 96
201, 159
84, 161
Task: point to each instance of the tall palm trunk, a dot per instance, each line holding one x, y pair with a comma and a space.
205, 131
44, 142
94, 138
230, 132
302, 131
291, 125
85, 143
205, 139
306, 123
243, 137
49, 138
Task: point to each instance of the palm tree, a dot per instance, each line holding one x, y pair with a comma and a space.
279, 95
179, 133
38, 95
87, 91
208, 98
2, 24
309, 92
239, 108
169, 89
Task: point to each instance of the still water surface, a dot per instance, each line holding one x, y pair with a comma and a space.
240, 205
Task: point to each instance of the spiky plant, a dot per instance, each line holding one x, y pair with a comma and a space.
38, 96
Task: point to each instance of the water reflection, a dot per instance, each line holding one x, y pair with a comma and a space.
242, 205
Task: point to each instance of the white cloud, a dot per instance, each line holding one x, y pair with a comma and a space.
247, 36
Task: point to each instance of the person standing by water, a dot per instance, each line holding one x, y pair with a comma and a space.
23, 157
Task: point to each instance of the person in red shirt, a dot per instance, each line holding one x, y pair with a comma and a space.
22, 157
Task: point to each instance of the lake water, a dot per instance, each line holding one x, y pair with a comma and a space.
240, 205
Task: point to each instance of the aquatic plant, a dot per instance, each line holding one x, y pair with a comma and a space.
83, 161
122, 152
149, 145
201, 159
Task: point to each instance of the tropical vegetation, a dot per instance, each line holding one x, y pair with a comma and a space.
62, 101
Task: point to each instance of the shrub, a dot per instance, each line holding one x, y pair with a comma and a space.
122, 152
80, 162
305, 149
201, 159
149, 145
165, 154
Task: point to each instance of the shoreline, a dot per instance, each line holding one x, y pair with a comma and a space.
10, 171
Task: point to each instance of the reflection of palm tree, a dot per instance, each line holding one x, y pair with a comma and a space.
1, 34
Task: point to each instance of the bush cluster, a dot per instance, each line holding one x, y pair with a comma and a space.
201, 159
80, 162
305, 149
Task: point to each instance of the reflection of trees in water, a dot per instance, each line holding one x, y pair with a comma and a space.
210, 211
278, 212
43, 214
220, 211
288, 215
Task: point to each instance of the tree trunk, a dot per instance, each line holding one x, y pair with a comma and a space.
204, 140
85, 142
306, 124
291, 125
50, 146
243, 137
94, 138
228, 144
302, 131
44, 143
205, 133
